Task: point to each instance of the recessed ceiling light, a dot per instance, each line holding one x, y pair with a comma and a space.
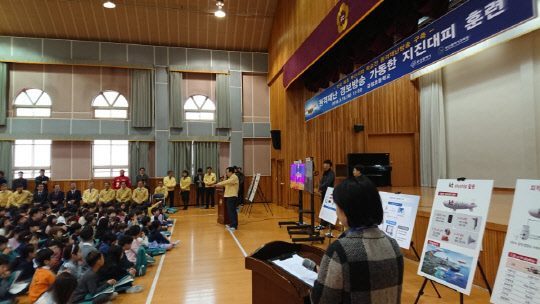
220, 13
109, 4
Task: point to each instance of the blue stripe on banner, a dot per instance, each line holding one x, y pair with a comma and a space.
459, 29
328, 207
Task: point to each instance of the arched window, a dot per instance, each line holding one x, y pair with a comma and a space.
110, 104
199, 107
32, 103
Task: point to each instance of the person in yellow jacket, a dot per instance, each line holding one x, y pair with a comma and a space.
170, 182
161, 190
231, 185
4, 195
19, 197
185, 186
107, 196
90, 195
123, 195
140, 194
209, 182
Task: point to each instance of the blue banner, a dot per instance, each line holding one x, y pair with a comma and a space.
465, 26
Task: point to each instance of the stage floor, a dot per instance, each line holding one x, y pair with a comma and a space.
499, 210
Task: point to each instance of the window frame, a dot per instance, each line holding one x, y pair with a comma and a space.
34, 103
200, 109
32, 170
112, 169
111, 106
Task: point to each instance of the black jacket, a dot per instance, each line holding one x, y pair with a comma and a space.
74, 196
58, 197
327, 180
41, 198
19, 182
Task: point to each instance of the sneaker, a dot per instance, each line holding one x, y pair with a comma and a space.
227, 226
231, 229
329, 235
114, 295
134, 289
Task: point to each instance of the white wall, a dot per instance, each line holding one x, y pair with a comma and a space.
492, 111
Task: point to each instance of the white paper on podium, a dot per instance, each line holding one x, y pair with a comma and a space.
293, 265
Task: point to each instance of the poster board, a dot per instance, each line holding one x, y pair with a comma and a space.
518, 277
328, 208
455, 232
308, 182
257, 179
297, 175
248, 195
399, 216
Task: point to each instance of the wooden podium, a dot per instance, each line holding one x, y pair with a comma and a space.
223, 217
271, 284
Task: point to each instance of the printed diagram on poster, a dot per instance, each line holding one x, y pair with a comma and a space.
455, 231
399, 216
329, 209
518, 277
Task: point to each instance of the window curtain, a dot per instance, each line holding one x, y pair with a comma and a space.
432, 130
207, 155
4, 79
176, 100
180, 157
138, 157
223, 102
6, 162
142, 98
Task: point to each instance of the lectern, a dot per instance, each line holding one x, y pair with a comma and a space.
223, 217
270, 283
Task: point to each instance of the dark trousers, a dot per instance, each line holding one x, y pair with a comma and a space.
171, 198
230, 203
185, 198
200, 196
210, 196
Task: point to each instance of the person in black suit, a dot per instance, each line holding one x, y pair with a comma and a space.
19, 182
42, 180
56, 197
40, 196
73, 198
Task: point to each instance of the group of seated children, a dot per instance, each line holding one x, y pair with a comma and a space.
63, 252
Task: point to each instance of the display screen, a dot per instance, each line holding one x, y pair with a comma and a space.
298, 176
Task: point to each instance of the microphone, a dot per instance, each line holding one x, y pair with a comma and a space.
309, 264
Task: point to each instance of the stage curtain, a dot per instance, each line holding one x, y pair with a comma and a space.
180, 157
6, 162
138, 157
142, 98
223, 102
176, 100
4, 80
206, 155
433, 164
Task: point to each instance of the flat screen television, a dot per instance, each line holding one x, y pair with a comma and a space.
298, 176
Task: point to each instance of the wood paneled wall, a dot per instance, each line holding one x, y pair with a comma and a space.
293, 22
264, 184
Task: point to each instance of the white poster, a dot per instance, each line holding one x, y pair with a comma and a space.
329, 209
518, 278
255, 186
455, 231
399, 216
248, 195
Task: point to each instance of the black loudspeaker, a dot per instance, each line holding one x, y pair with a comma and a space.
276, 139
358, 128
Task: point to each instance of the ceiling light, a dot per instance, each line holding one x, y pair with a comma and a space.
109, 4
220, 13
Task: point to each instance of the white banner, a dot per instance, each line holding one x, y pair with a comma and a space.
455, 232
329, 208
399, 216
255, 187
518, 278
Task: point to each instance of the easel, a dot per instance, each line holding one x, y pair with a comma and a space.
260, 194
421, 291
461, 298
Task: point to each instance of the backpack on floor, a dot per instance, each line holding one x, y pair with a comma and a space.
141, 263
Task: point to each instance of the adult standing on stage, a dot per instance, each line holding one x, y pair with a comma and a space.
327, 180
117, 182
170, 182
42, 179
209, 182
231, 185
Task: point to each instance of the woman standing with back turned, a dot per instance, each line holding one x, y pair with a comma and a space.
363, 265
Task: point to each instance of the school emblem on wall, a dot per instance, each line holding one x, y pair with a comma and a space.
342, 17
